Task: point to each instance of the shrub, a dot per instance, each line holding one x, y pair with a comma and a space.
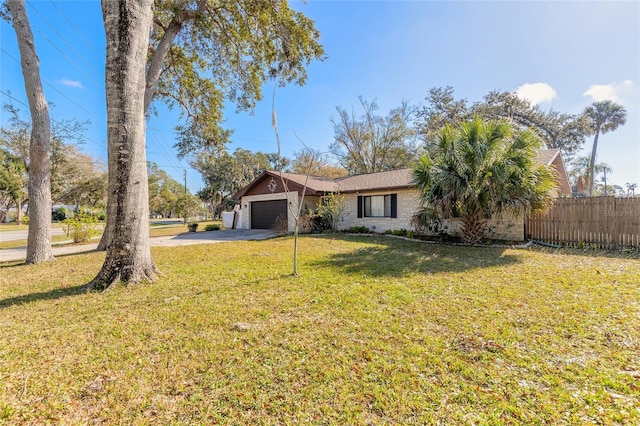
281, 226
359, 230
25, 219
59, 214
331, 209
212, 227
82, 227
102, 216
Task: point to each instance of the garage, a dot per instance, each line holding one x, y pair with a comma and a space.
265, 213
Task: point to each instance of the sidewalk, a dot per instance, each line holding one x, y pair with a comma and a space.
188, 238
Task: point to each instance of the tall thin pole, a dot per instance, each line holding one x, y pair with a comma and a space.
185, 181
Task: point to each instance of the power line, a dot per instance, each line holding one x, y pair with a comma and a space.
56, 121
75, 29
66, 56
49, 84
53, 28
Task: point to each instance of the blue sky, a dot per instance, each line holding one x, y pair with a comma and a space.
561, 55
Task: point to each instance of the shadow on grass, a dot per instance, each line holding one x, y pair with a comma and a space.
56, 293
397, 258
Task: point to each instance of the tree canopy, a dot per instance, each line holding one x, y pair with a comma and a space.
76, 178
315, 163
369, 143
224, 174
557, 130
477, 169
13, 184
204, 52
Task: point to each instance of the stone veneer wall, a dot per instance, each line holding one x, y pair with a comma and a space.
507, 227
407, 204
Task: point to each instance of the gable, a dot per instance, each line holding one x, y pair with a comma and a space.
272, 185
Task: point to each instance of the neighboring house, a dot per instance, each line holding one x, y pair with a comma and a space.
380, 201
553, 158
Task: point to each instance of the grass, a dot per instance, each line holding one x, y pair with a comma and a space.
375, 331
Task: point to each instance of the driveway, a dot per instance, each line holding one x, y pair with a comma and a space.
223, 236
188, 238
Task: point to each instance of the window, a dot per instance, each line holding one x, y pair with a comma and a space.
377, 206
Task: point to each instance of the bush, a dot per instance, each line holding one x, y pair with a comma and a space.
82, 227
359, 230
59, 214
25, 219
281, 226
212, 227
331, 209
102, 216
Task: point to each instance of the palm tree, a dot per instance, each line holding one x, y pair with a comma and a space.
605, 116
479, 169
579, 173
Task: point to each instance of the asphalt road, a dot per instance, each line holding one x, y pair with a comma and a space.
22, 235
188, 238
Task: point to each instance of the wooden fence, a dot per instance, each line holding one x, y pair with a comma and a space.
603, 222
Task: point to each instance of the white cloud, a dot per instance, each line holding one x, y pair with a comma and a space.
71, 83
536, 93
613, 91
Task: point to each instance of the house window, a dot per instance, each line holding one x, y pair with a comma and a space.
378, 206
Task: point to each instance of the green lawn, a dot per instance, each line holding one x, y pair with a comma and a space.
374, 331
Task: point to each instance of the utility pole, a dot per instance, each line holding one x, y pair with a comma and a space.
605, 181
185, 181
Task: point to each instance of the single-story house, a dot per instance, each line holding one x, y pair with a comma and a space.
380, 201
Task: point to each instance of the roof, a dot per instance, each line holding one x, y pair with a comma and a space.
401, 178
392, 179
546, 156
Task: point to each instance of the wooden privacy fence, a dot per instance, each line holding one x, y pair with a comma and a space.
603, 222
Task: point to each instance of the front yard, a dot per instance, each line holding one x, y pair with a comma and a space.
375, 331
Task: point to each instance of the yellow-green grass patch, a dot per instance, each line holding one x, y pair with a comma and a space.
374, 331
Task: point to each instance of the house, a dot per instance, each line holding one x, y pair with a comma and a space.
380, 201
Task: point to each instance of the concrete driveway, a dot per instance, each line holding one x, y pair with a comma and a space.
210, 237
188, 238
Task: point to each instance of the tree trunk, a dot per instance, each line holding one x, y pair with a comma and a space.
151, 82
39, 235
592, 164
128, 259
473, 228
19, 213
